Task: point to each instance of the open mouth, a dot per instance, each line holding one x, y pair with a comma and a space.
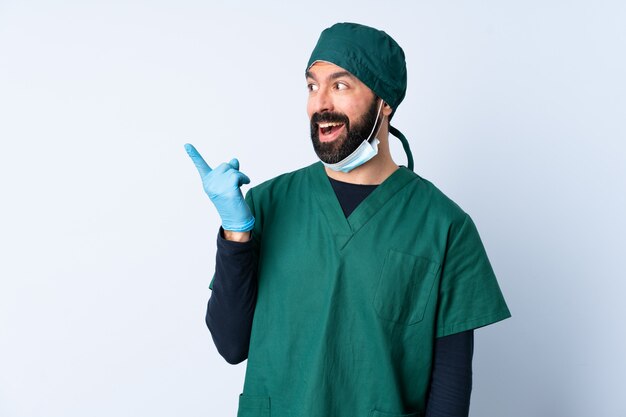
329, 130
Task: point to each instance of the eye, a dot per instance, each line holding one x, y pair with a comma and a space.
341, 86
312, 87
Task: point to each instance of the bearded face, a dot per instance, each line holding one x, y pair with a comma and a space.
334, 137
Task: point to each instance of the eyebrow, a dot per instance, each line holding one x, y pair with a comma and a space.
333, 76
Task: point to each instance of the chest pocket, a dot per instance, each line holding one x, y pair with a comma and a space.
404, 287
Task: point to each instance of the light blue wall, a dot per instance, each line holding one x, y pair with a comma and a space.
517, 110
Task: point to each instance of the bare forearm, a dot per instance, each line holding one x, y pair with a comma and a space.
237, 236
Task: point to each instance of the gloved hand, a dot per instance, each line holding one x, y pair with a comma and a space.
222, 186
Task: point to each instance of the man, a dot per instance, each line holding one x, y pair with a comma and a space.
352, 286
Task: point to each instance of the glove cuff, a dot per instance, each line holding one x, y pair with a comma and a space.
246, 227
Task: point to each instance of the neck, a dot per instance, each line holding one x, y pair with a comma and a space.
376, 170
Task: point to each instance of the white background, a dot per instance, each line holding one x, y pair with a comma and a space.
514, 109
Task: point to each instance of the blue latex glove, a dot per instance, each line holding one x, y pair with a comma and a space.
222, 186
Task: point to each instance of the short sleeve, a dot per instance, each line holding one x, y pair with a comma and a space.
258, 218
470, 296
211, 283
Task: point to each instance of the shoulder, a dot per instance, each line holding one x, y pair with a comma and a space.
282, 183
456, 226
428, 197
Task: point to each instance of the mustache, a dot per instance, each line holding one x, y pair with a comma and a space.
330, 117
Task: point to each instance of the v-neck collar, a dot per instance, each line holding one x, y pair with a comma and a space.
331, 208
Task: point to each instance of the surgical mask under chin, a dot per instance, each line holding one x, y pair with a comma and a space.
366, 151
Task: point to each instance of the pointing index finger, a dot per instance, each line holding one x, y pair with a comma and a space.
199, 162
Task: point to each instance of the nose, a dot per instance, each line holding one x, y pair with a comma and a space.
320, 102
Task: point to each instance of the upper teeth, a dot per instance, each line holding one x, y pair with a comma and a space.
325, 125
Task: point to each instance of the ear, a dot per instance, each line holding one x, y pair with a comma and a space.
387, 110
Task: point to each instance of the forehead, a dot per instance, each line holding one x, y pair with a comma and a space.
321, 70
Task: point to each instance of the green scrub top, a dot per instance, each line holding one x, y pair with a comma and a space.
348, 309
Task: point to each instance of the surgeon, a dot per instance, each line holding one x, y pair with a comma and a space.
353, 286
